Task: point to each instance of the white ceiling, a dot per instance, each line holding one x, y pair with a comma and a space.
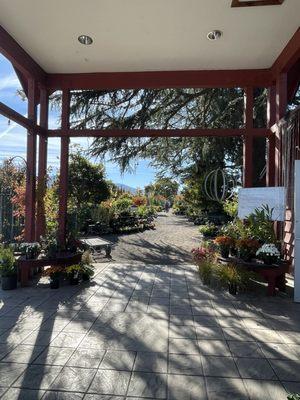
145, 35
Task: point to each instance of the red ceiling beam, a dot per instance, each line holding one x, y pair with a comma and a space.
289, 55
200, 132
19, 57
21, 120
161, 79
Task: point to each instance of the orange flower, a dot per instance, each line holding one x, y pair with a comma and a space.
225, 241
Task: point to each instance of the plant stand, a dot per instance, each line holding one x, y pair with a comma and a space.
274, 274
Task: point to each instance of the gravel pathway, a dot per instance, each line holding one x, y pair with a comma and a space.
171, 242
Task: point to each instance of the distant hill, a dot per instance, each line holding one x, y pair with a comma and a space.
126, 188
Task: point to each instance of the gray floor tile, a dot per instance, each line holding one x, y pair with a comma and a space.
144, 384
255, 368
110, 382
53, 395
219, 366
264, 390
287, 370
292, 387
55, 356
245, 349
23, 353
23, 394
119, 360
151, 362
279, 351
238, 334
9, 372
38, 377
104, 397
186, 387
226, 389
87, 358
210, 333
67, 339
73, 379
183, 346
213, 347
189, 364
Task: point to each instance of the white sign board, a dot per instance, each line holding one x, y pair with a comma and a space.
252, 198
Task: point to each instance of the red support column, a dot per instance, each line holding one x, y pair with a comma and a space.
248, 139
271, 119
281, 106
42, 165
64, 163
31, 167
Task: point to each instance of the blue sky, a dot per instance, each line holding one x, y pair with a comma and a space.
13, 137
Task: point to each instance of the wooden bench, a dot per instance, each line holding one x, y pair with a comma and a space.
273, 274
25, 266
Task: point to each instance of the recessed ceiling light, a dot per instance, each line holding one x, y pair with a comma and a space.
85, 39
214, 35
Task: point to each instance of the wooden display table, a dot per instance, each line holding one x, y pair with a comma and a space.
273, 274
62, 259
96, 244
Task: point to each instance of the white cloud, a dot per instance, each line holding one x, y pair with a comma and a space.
10, 81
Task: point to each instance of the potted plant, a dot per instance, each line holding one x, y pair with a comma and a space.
247, 248
50, 246
230, 276
87, 269
268, 253
73, 272
54, 273
224, 244
201, 254
30, 250
206, 269
8, 269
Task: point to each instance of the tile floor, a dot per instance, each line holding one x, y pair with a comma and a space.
146, 332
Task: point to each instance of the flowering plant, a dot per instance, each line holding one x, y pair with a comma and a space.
247, 248
225, 241
201, 254
268, 253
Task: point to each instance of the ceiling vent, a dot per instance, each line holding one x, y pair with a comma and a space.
253, 3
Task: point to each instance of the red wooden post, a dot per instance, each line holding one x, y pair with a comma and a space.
281, 105
271, 119
31, 167
248, 139
42, 165
64, 163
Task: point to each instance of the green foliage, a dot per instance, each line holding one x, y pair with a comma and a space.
231, 274
7, 262
261, 226
206, 270
231, 207
122, 205
295, 396
165, 187
208, 230
86, 180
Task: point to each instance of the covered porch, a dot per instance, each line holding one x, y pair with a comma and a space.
149, 331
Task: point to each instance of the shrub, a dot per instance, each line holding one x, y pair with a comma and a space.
7, 262
224, 241
230, 206
206, 270
122, 205
261, 226
208, 230
53, 272
139, 201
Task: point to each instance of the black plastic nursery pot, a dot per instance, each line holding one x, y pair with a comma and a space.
85, 277
54, 283
9, 282
232, 287
224, 252
74, 280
